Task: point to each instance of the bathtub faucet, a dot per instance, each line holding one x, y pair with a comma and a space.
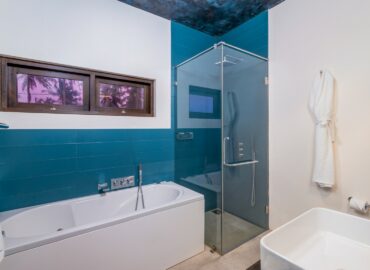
140, 189
103, 188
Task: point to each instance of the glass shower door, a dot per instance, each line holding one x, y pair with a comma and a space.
244, 153
198, 135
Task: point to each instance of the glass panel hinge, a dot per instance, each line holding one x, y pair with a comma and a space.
267, 209
266, 80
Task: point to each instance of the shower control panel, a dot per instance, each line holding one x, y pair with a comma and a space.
241, 151
122, 182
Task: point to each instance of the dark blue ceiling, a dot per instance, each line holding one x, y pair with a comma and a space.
214, 17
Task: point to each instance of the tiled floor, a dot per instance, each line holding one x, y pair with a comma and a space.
236, 231
240, 258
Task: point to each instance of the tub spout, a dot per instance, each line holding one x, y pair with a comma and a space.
103, 188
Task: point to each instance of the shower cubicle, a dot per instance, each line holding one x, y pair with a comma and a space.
221, 147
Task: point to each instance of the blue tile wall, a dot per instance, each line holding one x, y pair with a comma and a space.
187, 42
251, 35
40, 166
200, 155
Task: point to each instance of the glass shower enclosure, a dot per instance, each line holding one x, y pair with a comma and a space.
221, 147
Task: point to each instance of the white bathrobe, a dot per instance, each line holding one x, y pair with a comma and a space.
321, 105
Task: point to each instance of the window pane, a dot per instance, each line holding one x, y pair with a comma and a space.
200, 104
204, 103
35, 89
121, 96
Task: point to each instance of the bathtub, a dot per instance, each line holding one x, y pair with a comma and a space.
105, 232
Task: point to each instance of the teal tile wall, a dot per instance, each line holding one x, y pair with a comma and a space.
40, 166
200, 155
187, 42
251, 35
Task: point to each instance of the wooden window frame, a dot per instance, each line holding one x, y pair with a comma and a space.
123, 80
91, 78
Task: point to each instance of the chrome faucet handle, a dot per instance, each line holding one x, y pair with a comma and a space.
103, 187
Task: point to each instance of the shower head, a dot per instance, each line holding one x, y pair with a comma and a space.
229, 60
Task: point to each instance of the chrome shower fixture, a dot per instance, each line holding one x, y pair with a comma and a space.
230, 60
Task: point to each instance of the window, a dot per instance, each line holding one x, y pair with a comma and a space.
123, 96
36, 89
46, 90
204, 103
201, 104
32, 86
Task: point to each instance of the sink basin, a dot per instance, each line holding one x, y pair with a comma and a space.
319, 239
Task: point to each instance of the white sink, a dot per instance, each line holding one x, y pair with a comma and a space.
319, 239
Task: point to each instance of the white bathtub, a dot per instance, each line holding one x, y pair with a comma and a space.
105, 232
320, 239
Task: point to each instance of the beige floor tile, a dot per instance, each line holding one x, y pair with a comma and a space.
198, 261
236, 230
239, 259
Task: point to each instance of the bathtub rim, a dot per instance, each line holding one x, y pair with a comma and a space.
34, 242
271, 251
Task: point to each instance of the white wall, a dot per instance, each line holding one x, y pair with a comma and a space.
305, 36
100, 34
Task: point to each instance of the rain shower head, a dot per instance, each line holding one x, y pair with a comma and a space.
229, 60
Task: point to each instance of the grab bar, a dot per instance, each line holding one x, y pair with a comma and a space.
235, 164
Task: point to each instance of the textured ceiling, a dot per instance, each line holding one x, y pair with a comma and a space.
214, 17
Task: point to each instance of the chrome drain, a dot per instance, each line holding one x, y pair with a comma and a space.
213, 249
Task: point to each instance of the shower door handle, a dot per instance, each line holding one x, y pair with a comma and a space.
235, 164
